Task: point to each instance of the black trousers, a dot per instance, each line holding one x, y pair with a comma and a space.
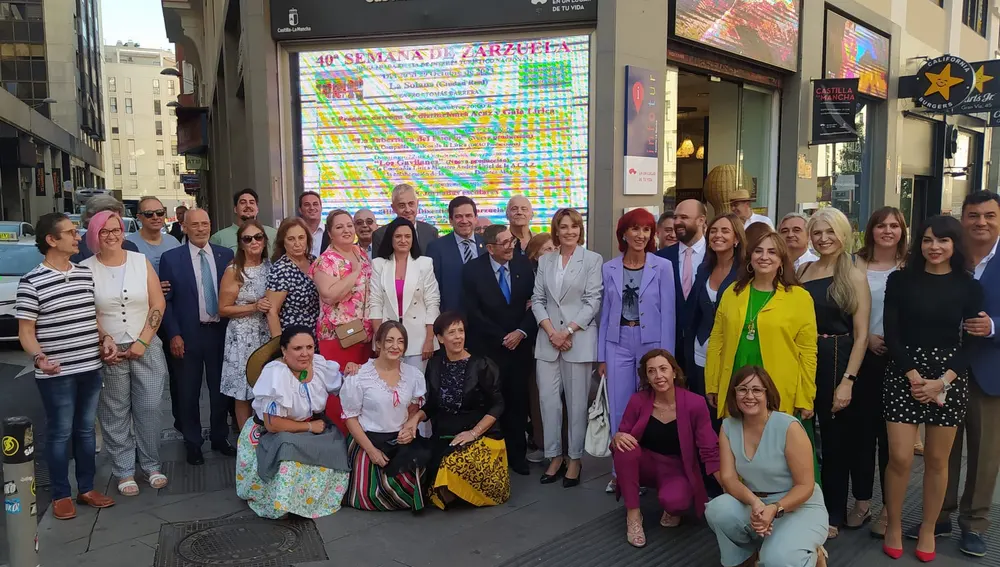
203, 357
515, 371
836, 444
868, 433
173, 371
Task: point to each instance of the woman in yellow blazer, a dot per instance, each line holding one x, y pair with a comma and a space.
767, 319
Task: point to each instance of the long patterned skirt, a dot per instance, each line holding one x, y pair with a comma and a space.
476, 474
308, 491
370, 488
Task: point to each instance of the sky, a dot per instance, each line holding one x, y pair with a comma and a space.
137, 20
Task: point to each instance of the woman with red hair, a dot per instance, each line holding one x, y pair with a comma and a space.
637, 314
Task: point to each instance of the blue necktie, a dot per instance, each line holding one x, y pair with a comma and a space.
504, 288
208, 286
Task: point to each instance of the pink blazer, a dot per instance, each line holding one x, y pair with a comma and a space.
699, 442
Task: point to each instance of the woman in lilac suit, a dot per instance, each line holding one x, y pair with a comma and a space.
662, 442
637, 314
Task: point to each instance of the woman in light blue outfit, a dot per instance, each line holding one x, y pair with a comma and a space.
772, 506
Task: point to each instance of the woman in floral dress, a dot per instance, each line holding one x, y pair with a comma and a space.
242, 301
290, 459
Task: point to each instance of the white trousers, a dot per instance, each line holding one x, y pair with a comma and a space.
572, 380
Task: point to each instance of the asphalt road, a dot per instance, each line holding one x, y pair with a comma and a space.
19, 396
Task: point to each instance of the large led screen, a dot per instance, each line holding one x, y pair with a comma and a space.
763, 30
854, 51
487, 119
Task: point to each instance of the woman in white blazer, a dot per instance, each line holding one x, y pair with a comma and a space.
566, 304
404, 289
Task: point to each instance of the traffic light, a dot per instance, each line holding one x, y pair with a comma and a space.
950, 142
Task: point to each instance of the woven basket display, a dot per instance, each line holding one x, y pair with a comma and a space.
721, 182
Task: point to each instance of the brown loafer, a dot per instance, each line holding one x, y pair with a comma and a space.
95, 499
63, 509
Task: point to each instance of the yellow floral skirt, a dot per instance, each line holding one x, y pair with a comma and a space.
476, 474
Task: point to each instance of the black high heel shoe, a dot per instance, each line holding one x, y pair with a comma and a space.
571, 482
550, 478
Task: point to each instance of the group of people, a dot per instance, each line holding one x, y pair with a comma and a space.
385, 368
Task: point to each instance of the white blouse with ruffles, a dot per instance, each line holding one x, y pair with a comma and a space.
379, 408
278, 391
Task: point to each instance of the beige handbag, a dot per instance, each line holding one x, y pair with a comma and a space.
353, 331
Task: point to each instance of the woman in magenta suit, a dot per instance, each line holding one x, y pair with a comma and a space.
638, 312
662, 442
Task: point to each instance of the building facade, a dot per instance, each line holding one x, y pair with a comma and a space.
142, 158
603, 105
51, 107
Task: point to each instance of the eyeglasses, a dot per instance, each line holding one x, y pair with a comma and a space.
504, 243
743, 392
247, 239
154, 213
104, 233
368, 222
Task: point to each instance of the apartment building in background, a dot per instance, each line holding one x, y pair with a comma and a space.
142, 157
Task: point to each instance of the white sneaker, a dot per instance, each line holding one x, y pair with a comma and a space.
536, 456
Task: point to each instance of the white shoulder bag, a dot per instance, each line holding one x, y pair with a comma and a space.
598, 441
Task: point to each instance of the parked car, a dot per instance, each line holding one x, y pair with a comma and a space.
16, 259
12, 231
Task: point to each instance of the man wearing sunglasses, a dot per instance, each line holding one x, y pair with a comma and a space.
150, 240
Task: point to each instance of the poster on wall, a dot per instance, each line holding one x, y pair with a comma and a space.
487, 119
854, 51
834, 111
644, 90
766, 31
985, 94
40, 180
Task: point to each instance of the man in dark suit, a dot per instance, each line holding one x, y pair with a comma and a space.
177, 230
196, 332
978, 434
498, 286
686, 256
452, 251
406, 205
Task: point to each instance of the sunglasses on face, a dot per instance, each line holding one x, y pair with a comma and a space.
368, 222
247, 239
154, 213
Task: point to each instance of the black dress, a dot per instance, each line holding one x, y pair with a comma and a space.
923, 329
835, 328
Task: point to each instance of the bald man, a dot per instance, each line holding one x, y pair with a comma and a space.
519, 215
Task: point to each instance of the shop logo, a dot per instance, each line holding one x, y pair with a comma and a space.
946, 82
293, 17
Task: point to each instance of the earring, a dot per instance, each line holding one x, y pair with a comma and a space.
781, 270
749, 267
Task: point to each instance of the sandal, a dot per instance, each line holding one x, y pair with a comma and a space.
634, 534
157, 480
833, 532
128, 487
821, 556
668, 521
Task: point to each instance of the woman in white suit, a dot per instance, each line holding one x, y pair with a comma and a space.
404, 289
566, 304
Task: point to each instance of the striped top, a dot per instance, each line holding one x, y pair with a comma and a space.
62, 306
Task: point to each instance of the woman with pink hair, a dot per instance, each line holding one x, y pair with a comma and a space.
130, 308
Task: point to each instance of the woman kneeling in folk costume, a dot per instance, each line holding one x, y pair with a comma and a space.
469, 457
290, 460
380, 405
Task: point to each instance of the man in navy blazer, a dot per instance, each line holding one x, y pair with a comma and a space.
452, 251
981, 224
689, 227
196, 332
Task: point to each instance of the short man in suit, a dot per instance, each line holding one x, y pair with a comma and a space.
177, 229
406, 205
196, 332
452, 251
498, 286
981, 224
686, 256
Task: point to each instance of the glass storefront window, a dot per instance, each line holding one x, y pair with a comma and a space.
843, 174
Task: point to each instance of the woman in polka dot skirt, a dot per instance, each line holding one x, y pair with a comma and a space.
926, 381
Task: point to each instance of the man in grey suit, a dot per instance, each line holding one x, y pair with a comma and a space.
406, 205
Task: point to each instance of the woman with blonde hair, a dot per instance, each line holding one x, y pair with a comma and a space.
842, 303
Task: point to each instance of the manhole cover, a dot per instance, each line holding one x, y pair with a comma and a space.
237, 544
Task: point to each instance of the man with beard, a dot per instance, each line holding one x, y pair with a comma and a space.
519, 214
406, 205
686, 256
311, 211
792, 229
244, 209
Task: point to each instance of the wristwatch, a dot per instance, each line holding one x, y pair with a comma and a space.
780, 512
850, 377
569, 329
947, 384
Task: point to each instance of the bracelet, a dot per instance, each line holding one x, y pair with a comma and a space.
142, 342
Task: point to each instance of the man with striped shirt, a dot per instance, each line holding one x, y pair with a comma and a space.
57, 326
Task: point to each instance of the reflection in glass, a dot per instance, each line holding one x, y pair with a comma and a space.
842, 178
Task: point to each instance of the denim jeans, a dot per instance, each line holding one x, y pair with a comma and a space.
70, 409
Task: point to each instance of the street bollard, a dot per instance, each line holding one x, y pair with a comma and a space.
19, 491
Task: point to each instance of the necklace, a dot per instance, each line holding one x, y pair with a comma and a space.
752, 325
65, 274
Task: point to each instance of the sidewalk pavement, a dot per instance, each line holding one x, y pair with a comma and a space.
536, 527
